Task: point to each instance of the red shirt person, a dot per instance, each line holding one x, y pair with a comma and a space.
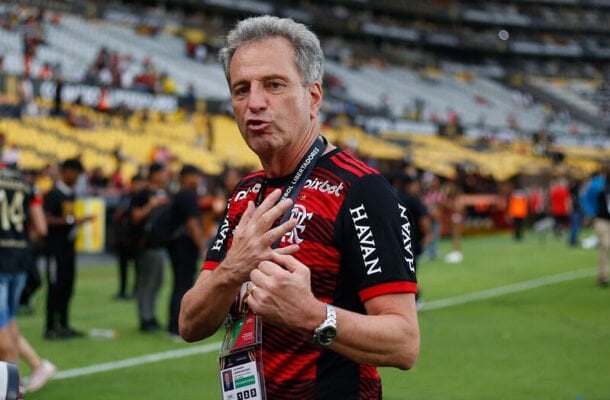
346, 251
560, 204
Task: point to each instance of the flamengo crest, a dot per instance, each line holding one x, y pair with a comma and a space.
299, 212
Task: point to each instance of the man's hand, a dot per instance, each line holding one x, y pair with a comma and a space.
254, 236
280, 292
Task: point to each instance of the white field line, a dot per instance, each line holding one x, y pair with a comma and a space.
429, 306
131, 362
508, 289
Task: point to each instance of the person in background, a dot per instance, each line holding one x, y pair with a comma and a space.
61, 268
576, 213
433, 199
41, 370
559, 198
517, 211
20, 194
37, 253
456, 214
150, 257
123, 236
188, 242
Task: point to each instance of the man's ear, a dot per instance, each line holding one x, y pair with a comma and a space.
316, 93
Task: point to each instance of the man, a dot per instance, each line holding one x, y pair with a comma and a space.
20, 206
344, 259
187, 242
23, 205
124, 238
227, 381
559, 198
151, 256
61, 268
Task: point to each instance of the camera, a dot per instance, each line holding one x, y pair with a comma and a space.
10, 388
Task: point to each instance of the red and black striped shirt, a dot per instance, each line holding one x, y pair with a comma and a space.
355, 236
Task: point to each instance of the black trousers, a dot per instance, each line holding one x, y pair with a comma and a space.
518, 228
184, 265
126, 252
61, 273
34, 282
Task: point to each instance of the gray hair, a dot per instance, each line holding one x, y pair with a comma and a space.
309, 55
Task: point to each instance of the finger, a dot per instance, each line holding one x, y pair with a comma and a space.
268, 217
251, 288
269, 268
269, 201
275, 234
290, 263
259, 278
247, 215
288, 250
252, 304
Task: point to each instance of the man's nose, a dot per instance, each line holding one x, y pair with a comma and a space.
257, 99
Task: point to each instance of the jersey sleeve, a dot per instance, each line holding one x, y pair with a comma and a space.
374, 236
218, 247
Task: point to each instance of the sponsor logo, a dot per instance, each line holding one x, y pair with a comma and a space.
222, 235
368, 248
242, 194
299, 213
324, 186
407, 243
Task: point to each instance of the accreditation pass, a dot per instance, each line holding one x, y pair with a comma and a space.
240, 377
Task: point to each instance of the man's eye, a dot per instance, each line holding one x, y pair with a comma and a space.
240, 90
275, 85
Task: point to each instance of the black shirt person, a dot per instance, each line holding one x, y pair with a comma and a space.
61, 268
146, 206
187, 243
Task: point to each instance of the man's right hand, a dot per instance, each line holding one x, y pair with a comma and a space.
255, 235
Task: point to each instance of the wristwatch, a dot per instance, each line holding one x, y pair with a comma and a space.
70, 220
326, 333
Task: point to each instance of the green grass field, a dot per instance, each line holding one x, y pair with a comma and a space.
548, 340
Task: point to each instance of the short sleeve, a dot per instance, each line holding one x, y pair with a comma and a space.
374, 236
219, 246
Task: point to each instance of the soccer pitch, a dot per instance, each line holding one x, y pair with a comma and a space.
513, 321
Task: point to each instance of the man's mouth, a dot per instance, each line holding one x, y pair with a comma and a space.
257, 124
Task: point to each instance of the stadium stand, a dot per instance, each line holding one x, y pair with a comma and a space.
394, 65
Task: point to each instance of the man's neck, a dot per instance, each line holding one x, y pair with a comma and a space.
285, 162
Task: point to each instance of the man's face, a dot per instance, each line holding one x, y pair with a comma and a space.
70, 176
274, 111
160, 178
191, 181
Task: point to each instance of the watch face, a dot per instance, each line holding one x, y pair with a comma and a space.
328, 335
